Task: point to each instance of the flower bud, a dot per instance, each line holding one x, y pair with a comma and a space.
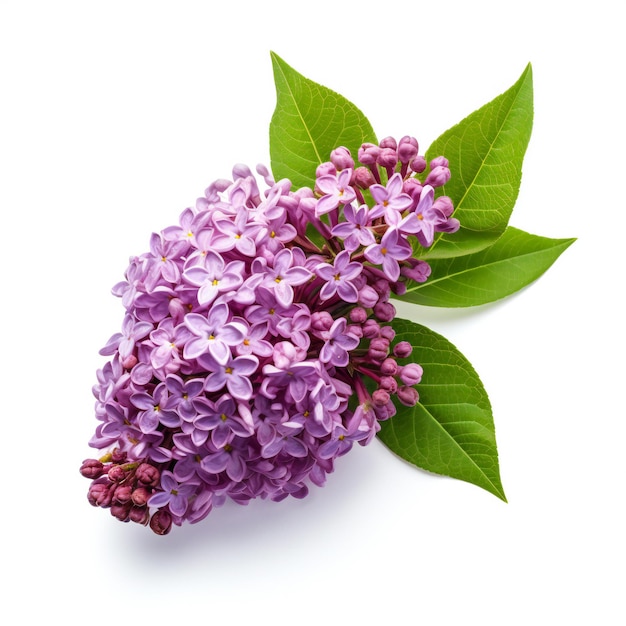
408, 395
99, 494
407, 149
363, 178
402, 349
379, 349
388, 158
438, 176
444, 204
321, 321
411, 374
148, 475
140, 496
389, 142
325, 169
358, 315
122, 494
368, 154
341, 158
116, 473
388, 383
120, 511
418, 164
389, 367
385, 311
367, 297
92, 468
380, 397
139, 515
161, 522
388, 333
419, 271
371, 329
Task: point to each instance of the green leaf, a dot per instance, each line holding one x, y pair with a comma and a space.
308, 123
485, 152
451, 430
514, 261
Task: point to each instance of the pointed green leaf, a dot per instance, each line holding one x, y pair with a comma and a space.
451, 430
485, 152
309, 121
515, 260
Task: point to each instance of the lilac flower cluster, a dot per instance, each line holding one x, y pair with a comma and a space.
257, 347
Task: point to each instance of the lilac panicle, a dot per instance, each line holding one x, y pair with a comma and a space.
240, 369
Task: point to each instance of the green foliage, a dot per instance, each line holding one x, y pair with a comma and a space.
485, 152
310, 121
514, 261
450, 431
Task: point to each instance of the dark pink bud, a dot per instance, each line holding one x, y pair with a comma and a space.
408, 395
92, 468
411, 374
321, 321
368, 297
407, 149
139, 515
148, 475
419, 271
388, 158
358, 315
99, 494
388, 383
389, 367
325, 169
382, 288
368, 154
388, 333
379, 349
385, 311
116, 473
341, 158
363, 178
380, 397
122, 493
117, 456
161, 522
439, 161
444, 204
413, 188
355, 329
371, 329
140, 496
438, 176
389, 142
120, 511
384, 412
418, 164
402, 349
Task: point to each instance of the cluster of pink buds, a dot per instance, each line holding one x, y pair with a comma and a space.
257, 345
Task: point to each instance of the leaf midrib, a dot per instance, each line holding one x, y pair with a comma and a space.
300, 115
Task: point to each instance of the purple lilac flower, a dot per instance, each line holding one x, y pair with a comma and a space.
355, 230
391, 249
214, 277
339, 277
336, 190
240, 369
213, 334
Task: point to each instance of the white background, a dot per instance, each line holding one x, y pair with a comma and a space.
115, 116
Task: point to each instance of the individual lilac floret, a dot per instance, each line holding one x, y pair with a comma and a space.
340, 277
